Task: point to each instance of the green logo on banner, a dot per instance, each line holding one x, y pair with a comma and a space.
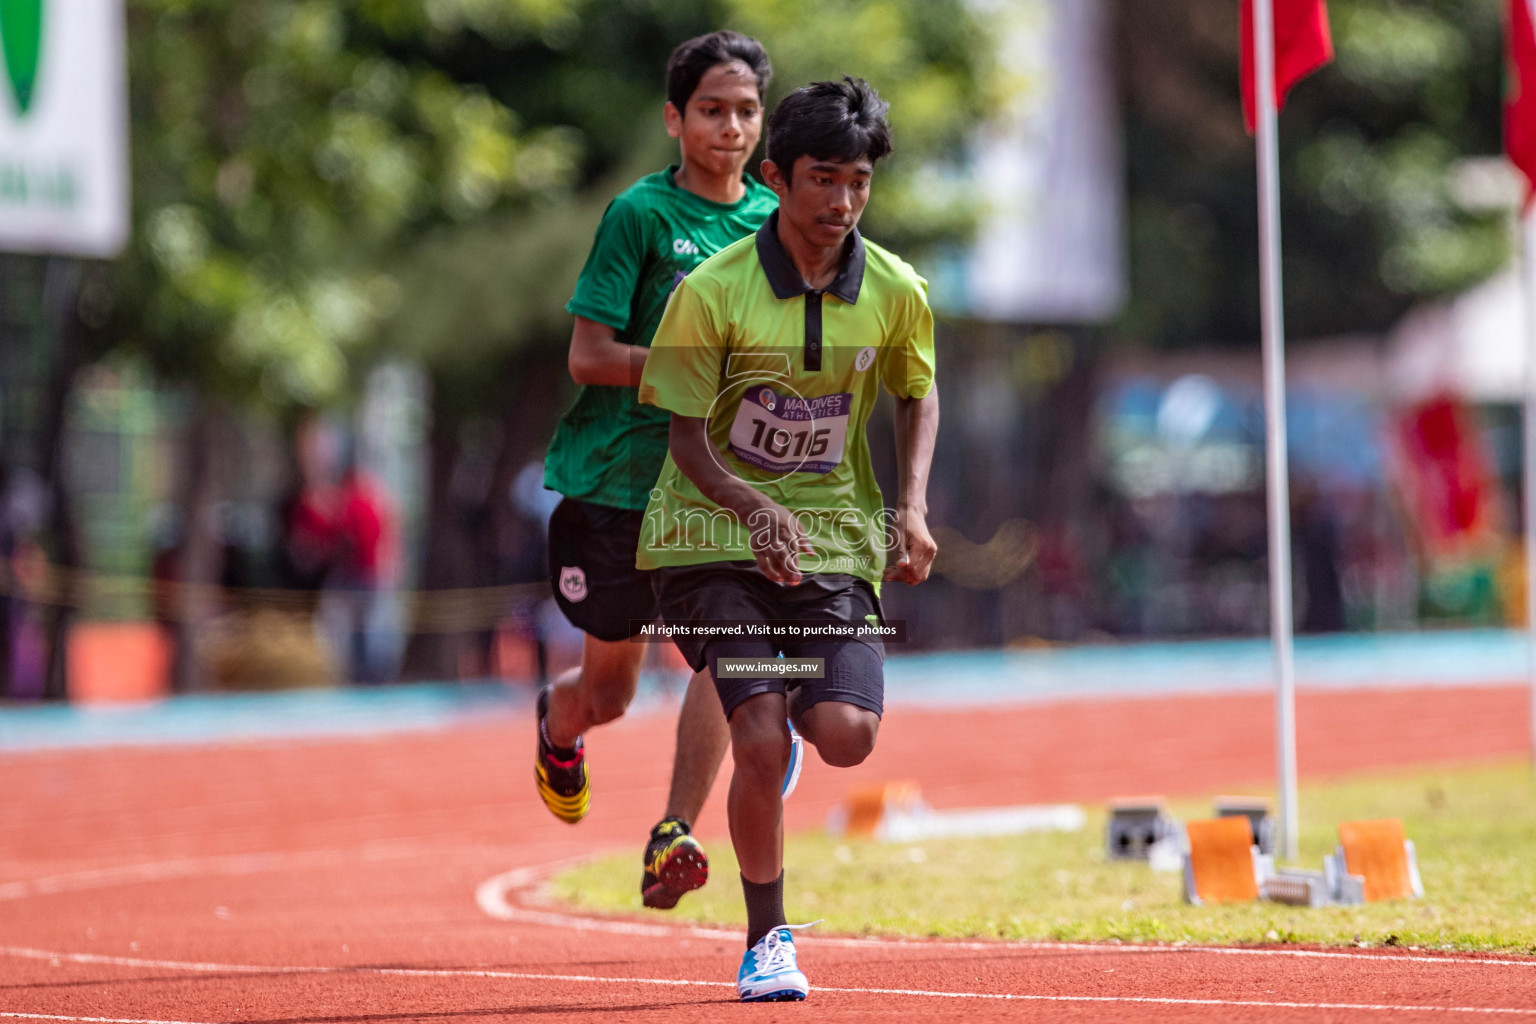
21, 40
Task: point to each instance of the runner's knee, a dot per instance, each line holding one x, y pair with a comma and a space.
759, 736
843, 734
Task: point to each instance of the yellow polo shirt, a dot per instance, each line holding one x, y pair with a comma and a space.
787, 378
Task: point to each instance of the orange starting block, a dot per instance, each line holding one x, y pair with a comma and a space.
1379, 853
1223, 864
866, 808
1374, 861
895, 812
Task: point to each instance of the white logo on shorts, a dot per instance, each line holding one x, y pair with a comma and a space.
866, 356
573, 583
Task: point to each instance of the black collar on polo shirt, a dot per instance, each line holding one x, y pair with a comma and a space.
785, 280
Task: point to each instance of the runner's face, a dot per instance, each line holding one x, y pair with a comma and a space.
824, 199
722, 122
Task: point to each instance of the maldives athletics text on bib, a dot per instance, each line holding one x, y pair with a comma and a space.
787, 433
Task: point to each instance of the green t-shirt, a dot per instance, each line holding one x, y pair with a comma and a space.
787, 378
608, 448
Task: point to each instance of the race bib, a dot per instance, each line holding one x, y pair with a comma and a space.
787, 433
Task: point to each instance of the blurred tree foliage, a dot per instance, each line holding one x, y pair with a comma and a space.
1370, 149
279, 162
318, 182
597, 72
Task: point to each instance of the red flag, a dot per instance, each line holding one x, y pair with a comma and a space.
1303, 44
1520, 98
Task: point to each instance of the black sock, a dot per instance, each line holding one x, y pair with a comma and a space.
560, 753
765, 907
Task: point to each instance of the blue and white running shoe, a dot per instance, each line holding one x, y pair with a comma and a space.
769, 973
796, 762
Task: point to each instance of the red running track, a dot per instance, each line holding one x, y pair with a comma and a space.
395, 878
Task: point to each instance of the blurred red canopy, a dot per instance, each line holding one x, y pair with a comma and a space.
1448, 477
1303, 43
1520, 100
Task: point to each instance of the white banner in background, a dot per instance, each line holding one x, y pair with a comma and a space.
63, 127
1050, 246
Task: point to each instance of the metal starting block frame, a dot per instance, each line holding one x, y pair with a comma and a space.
1260, 812
1137, 825
1299, 888
1343, 888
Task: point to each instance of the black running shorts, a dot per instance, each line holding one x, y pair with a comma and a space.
592, 569
739, 592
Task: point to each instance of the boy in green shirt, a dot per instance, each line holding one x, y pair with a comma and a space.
767, 516
608, 449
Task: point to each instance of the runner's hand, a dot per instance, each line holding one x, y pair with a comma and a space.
778, 542
915, 549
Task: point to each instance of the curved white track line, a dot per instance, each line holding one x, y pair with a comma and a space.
428, 972
495, 898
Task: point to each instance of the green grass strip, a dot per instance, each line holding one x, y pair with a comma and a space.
1474, 827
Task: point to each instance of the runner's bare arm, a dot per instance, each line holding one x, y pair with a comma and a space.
777, 539
917, 427
597, 357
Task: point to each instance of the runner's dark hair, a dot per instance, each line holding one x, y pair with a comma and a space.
694, 57
838, 121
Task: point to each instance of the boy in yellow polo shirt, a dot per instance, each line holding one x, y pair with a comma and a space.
767, 515
607, 449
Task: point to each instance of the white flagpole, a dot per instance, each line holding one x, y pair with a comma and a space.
1528, 287
1271, 303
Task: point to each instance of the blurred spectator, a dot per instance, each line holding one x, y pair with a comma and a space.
165, 576
311, 512
523, 556
8, 589
1317, 549
23, 508
29, 640
362, 577
1064, 580
339, 542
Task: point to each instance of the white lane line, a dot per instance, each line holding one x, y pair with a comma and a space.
495, 898
229, 865
594, 979
498, 898
238, 864
1170, 1001
105, 1020
28, 953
